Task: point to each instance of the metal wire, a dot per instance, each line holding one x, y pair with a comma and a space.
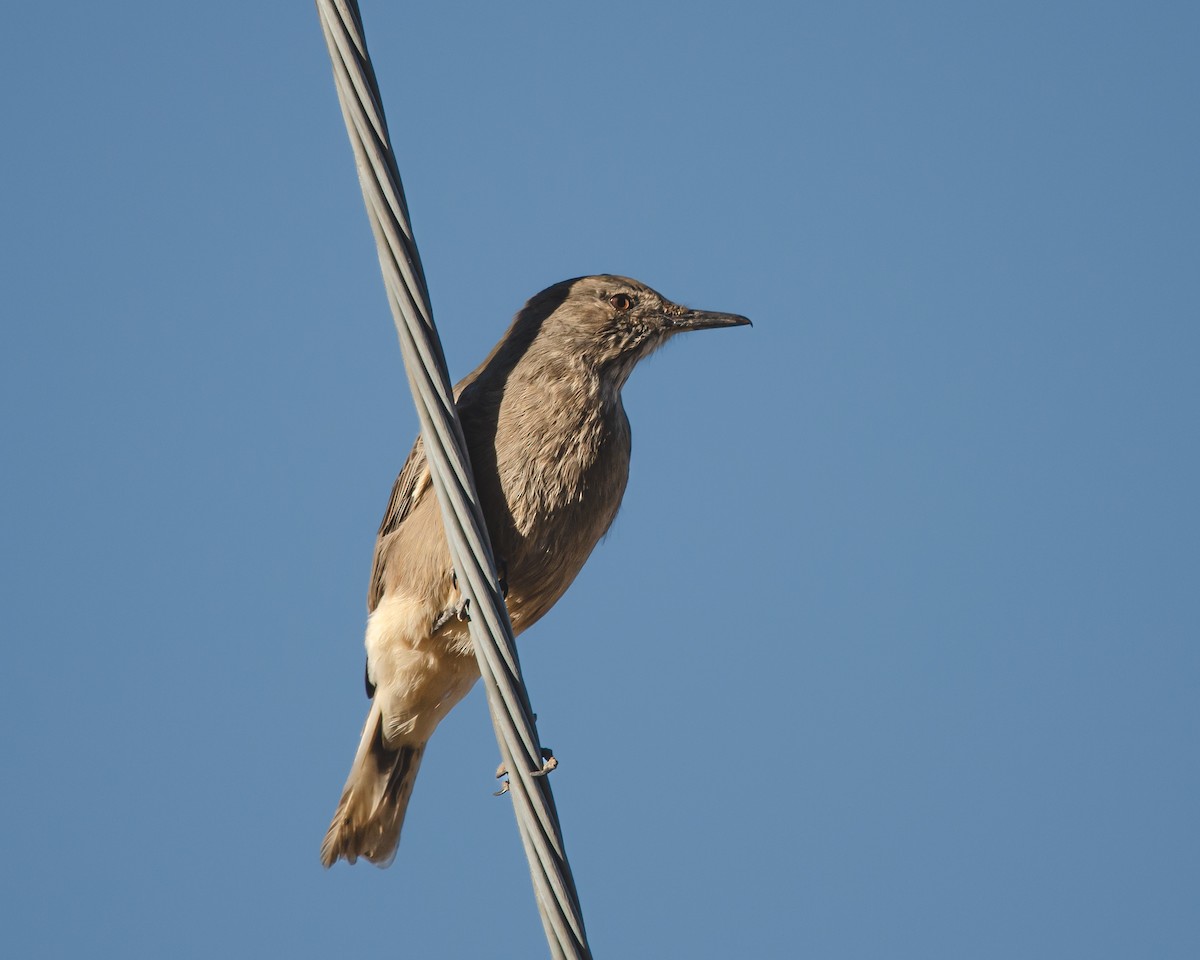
425, 366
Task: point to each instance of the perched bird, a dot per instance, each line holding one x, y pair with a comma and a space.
549, 445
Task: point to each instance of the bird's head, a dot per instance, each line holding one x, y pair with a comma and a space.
610, 323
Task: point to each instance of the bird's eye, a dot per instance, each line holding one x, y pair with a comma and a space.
622, 301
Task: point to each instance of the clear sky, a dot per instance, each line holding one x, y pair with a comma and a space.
893, 650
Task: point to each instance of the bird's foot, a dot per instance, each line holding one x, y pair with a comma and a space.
457, 612
549, 762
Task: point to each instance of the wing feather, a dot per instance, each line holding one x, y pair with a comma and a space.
411, 485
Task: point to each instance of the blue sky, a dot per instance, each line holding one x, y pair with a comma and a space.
892, 651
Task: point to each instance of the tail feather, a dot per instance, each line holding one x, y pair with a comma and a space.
375, 798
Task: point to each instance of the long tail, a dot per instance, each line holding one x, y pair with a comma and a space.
371, 812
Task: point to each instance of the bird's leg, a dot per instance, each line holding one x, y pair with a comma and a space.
549, 762
460, 610
457, 612
502, 576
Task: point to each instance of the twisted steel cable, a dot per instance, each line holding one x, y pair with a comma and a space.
466, 532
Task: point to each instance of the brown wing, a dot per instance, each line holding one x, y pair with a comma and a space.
411, 485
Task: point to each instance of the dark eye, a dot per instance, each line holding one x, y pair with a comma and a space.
622, 301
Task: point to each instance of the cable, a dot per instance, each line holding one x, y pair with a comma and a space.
466, 532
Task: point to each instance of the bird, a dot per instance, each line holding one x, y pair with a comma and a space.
549, 445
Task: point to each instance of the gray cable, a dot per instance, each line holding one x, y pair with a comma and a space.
470, 550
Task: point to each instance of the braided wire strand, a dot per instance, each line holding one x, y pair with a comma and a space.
466, 532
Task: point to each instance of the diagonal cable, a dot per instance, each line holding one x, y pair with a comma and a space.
470, 550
